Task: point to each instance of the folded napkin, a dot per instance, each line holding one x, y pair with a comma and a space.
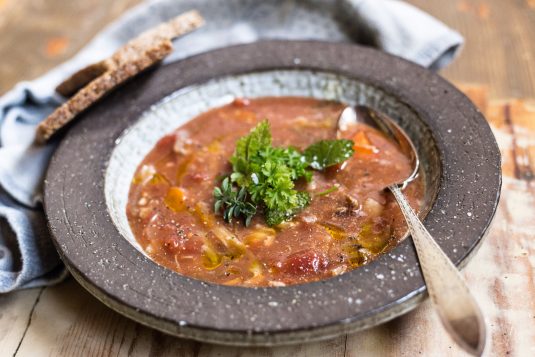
27, 255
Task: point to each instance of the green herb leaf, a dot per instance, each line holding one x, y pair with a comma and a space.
326, 153
276, 217
247, 148
327, 191
289, 157
234, 203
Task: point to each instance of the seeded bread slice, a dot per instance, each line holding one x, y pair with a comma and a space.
88, 85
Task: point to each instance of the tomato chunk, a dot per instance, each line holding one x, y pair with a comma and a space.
306, 262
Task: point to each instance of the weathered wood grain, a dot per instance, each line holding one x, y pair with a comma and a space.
42, 34
500, 49
503, 271
15, 312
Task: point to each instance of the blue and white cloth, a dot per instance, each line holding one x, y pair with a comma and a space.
27, 255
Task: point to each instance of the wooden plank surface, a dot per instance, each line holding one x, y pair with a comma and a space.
499, 51
498, 61
39, 34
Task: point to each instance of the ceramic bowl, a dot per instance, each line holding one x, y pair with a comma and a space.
89, 177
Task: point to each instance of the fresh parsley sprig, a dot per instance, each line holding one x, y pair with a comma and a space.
268, 175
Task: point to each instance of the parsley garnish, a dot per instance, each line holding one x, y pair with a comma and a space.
268, 173
276, 217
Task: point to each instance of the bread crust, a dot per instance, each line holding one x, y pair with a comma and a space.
91, 83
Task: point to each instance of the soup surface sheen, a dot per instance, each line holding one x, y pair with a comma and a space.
170, 204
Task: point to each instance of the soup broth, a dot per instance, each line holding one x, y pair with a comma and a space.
350, 221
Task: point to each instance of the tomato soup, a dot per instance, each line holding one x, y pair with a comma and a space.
350, 221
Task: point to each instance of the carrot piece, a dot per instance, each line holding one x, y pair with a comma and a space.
174, 199
362, 144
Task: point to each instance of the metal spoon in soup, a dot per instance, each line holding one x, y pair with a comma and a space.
457, 308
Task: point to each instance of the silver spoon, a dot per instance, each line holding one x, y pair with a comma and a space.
456, 307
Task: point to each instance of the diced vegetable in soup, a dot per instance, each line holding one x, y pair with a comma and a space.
268, 192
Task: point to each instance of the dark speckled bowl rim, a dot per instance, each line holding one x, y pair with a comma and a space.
122, 278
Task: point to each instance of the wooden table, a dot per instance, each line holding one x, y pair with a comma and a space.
496, 69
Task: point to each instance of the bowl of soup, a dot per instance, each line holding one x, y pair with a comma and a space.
130, 194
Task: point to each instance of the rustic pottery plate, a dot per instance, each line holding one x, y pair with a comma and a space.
88, 180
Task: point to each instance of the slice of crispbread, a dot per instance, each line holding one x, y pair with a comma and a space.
89, 84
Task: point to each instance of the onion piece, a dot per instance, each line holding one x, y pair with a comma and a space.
211, 259
144, 175
339, 270
261, 234
372, 207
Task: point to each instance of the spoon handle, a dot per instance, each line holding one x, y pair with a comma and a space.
447, 289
